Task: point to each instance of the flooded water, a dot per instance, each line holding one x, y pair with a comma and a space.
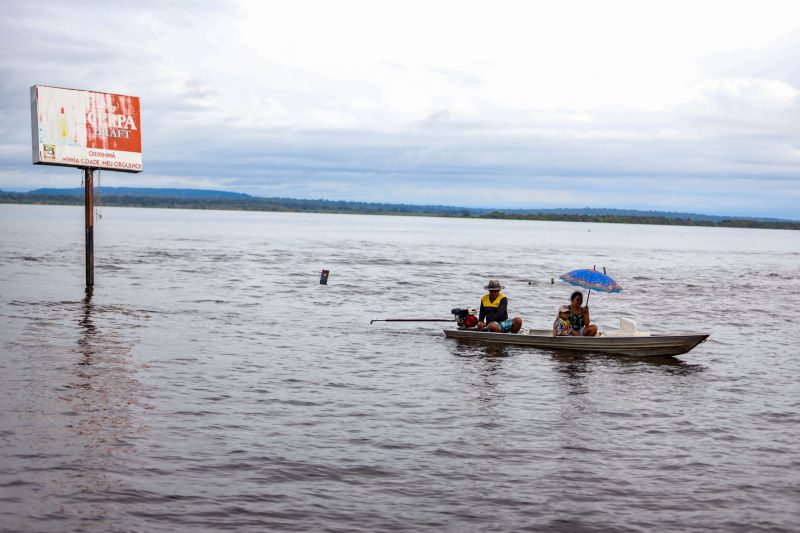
210, 382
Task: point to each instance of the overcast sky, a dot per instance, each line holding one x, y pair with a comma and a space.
680, 106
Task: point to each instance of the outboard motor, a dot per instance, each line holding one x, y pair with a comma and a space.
466, 318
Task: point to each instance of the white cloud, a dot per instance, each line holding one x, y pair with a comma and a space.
331, 118
417, 99
519, 55
764, 94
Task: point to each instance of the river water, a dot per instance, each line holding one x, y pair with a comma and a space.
211, 383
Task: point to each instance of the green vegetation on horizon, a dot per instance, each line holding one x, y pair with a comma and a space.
249, 203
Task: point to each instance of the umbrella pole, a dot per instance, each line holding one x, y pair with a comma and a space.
587, 297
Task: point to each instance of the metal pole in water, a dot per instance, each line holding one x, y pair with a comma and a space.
88, 194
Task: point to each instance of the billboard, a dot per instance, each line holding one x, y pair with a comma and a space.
86, 129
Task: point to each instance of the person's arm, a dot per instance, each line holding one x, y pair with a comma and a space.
502, 309
482, 313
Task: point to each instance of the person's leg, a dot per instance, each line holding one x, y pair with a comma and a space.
516, 324
507, 326
590, 331
494, 327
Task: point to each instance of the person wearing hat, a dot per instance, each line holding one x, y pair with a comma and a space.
561, 326
493, 315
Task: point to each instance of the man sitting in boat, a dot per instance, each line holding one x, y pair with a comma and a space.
561, 326
579, 316
493, 315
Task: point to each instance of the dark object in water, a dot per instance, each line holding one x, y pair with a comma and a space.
323, 278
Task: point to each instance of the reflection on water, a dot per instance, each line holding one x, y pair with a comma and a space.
85, 338
574, 368
470, 348
102, 393
481, 368
91, 388
106, 385
631, 361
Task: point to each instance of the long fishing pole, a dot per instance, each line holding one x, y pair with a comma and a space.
411, 320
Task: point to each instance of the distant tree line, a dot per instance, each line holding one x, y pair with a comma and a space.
654, 220
251, 203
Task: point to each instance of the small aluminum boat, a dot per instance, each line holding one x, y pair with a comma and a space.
625, 341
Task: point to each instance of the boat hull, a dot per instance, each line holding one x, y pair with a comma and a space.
651, 345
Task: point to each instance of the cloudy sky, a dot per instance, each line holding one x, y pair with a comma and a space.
680, 106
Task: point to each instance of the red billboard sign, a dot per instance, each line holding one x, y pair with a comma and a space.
86, 129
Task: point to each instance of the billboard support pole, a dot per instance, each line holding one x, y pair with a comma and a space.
88, 196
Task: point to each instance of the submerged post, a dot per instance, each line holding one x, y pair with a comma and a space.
88, 197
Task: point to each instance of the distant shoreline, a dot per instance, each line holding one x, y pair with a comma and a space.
249, 203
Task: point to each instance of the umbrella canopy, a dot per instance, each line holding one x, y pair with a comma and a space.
592, 280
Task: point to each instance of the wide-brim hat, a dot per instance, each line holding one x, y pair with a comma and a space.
494, 285
563, 309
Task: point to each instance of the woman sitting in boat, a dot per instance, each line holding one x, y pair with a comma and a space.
493, 315
561, 326
579, 316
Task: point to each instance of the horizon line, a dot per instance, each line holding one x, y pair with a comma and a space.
21, 190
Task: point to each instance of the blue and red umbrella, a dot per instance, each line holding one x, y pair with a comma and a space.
591, 279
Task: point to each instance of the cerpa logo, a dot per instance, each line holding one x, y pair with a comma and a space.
49, 151
112, 124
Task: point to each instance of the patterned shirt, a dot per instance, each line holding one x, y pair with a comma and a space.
561, 328
576, 319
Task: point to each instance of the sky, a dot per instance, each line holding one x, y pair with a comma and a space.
675, 106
